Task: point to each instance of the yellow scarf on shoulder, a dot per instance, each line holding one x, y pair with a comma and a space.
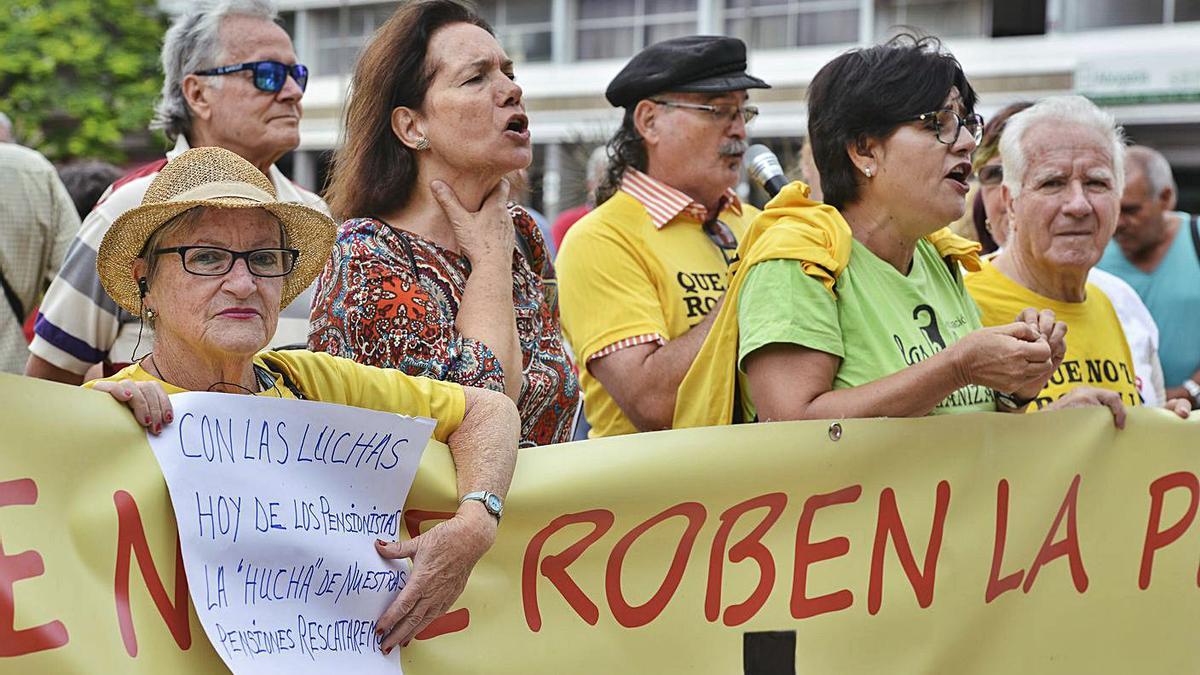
790, 227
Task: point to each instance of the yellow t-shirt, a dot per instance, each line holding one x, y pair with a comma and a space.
1097, 352
619, 277
331, 379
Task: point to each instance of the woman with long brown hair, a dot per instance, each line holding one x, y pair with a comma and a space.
434, 272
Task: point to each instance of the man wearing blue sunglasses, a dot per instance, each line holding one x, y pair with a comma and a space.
269, 76
230, 80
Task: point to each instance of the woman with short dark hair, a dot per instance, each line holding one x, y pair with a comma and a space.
434, 272
856, 307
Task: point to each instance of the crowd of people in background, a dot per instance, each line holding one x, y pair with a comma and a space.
417, 284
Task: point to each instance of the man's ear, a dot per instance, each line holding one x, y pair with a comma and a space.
645, 120
196, 93
1007, 197
408, 127
1167, 198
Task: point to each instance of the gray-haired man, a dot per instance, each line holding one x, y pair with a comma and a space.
1156, 249
230, 80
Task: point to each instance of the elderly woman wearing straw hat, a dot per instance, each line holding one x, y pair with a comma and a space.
209, 258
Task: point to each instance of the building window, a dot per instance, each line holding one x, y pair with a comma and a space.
1093, 14
1080, 15
778, 24
287, 21
1023, 17
954, 18
1187, 10
340, 33
522, 26
606, 29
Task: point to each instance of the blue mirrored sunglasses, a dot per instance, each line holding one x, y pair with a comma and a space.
269, 76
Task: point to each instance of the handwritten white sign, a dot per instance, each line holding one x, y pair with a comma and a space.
278, 504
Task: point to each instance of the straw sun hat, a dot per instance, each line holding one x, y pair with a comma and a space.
216, 178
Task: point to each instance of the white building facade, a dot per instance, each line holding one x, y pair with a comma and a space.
1139, 58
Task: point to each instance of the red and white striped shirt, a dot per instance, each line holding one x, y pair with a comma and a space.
664, 202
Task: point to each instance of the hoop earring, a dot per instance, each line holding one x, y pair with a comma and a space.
422, 144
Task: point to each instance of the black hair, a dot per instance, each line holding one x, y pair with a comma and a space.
979, 219
625, 149
86, 182
869, 93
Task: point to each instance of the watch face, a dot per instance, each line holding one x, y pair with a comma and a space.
494, 504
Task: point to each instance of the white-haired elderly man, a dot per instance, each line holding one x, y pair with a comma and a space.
230, 80
1063, 175
1156, 249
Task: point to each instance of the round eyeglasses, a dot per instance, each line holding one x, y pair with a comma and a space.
947, 123
213, 261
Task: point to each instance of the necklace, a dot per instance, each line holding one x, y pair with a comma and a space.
263, 380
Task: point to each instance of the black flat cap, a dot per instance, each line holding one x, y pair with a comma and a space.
695, 63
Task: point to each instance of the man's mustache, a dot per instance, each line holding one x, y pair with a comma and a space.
734, 147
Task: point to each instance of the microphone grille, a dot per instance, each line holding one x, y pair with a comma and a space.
761, 164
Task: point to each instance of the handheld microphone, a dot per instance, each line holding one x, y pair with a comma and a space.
764, 169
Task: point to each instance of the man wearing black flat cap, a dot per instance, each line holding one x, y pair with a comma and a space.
641, 275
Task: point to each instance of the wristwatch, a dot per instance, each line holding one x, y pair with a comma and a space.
491, 501
1012, 401
1193, 391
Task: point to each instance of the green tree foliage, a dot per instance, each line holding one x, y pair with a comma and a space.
77, 76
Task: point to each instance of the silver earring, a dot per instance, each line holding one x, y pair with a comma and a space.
867, 170
421, 144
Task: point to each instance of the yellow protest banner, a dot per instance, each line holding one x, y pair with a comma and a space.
982, 543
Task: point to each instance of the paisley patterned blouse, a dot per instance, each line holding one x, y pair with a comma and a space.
389, 298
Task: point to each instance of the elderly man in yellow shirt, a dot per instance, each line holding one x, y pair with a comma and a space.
1063, 174
639, 277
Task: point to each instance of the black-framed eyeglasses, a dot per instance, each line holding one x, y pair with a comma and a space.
213, 261
269, 76
947, 124
725, 112
992, 174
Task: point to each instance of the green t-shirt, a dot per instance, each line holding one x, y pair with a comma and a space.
880, 322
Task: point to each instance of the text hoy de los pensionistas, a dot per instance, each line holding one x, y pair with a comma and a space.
221, 515
218, 440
